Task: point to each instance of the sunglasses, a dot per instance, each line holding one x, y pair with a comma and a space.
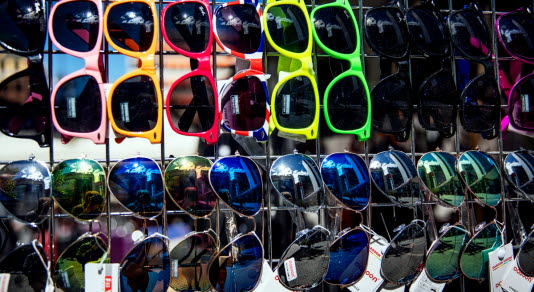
346, 177
191, 105
335, 30
443, 257
244, 99
295, 97
480, 173
25, 190
78, 100
525, 257
519, 167
79, 188
187, 183
135, 102
24, 96
27, 267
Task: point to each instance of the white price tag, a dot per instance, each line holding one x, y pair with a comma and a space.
423, 283
101, 277
269, 281
515, 281
4, 282
291, 269
372, 279
499, 264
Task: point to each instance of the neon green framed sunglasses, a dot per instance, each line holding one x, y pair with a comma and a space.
346, 103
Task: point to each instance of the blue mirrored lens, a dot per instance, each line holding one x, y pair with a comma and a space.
348, 258
347, 178
443, 263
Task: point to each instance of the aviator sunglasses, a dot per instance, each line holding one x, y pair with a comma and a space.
519, 169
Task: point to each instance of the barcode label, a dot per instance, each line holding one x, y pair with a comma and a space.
71, 107
286, 104
525, 103
235, 104
125, 112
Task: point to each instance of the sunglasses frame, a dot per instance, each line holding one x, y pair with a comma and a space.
525, 240
468, 188
516, 187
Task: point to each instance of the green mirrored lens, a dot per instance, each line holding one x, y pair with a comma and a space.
438, 173
474, 259
443, 263
481, 174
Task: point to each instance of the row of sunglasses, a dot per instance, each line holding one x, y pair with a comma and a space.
194, 183
242, 104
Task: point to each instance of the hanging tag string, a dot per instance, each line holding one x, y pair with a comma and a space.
49, 283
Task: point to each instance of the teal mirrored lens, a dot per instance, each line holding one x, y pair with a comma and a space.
443, 262
481, 174
438, 173
474, 259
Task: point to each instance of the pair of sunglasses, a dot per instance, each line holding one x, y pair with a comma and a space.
78, 99
24, 96
443, 257
27, 266
519, 167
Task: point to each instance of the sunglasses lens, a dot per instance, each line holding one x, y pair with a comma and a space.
386, 33
288, 27
134, 104
138, 185
243, 104
443, 263
481, 174
27, 272
187, 182
78, 105
438, 99
295, 104
394, 174
474, 259
525, 257
239, 28
237, 181
348, 258
131, 26
404, 257
347, 178
309, 254
22, 27
427, 31
516, 32
298, 180
187, 26
392, 104
348, 98
471, 34
335, 28
519, 167
25, 190
238, 266
80, 188
437, 171
76, 25
190, 259
521, 110
480, 104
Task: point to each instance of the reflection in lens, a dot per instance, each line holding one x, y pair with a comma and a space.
348, 98
427, 31
239, 28
288, 27
309, 254
474, 258
481, 174
131, 26
437, 171
516, 31
23, 25
346, 177
243, 104
348, 258
336, 29
392, 104
77, 25
521, 110
27, 272
480, 104
138, 185
443, 262
470, 33
237, 182
387, 32
297, 179
519, 168
295, 103
439, 99
187, 181
146, 267
187, 26
525, 257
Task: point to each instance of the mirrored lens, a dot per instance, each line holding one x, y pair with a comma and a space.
131, 26
336, 29
295, 103
187, 182
439, 100
519, 168
346, 176
427, 31
27, 272
78, 105
243, 104
80, 188
474, 259
134, 104
525, 257
391, 106
481, 174
348, 258
76, 25
348, 98
25, 190
437, 171
239, 28
137, 184
23, 26
480, 104
387, 32
443, 262
470, 33
237, 181
516, 32
297, 179
192, 105
394, 174
310, 256
187, 26
288, 27
521, 111
238, 266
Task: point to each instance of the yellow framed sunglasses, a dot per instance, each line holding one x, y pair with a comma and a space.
135, 101
295, 98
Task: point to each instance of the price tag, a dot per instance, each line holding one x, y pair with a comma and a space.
516, 281
101, 277
423, 283
4, 282
269, 281
372, 279
499, 264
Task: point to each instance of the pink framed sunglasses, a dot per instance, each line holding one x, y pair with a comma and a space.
78, 100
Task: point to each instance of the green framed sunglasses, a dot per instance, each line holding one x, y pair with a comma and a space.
336, 32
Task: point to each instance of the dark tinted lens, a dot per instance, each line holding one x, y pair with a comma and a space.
348, 258
243, 104
470, 34
27, 271
25, 190
394, 174
238, 266
348, 98
481, 174
474, 259
297, 179
480, 104
387, 32
237, 181
134, 104
76, 25
391, 106
516, 32
427, 31
80, 188
23, 26
192, 105
187, 26
131, 26
439, 99
138, 185
525, 257
146, 267
336, 29
347, 178
521, 111
187, 182
519, 167
295, 103
308, 257
189, 262
443, 262
239, 28
288, 27
404, 257
78, 105
437, 171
